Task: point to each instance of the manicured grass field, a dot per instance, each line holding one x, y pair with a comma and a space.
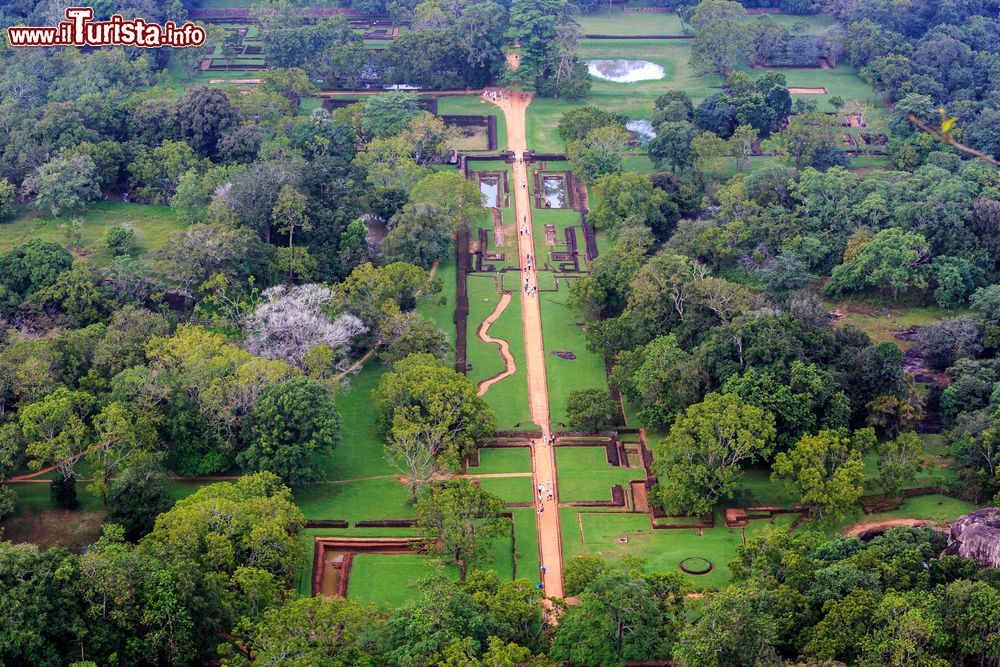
635, 100
842, 80
508, 397
585, 474
560, 331
502, 459
153, 224
359, 452
596, 532
511, 489
440, 307
380, 498
389, 579
474, 105
633, 23
526, 534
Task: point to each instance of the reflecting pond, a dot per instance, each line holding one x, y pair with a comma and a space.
554, 191
625, 71
490, 187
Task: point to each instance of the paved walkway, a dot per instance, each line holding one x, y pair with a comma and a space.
514, 105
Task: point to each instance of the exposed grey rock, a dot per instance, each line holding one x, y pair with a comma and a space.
977, 536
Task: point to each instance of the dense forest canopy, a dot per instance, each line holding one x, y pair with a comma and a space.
224, 306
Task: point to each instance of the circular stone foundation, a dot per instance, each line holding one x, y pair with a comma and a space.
625, 71
696, 566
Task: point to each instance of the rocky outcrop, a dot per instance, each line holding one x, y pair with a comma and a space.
977, 536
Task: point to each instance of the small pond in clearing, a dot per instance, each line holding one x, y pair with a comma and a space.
490, 187
625, 71
554, 191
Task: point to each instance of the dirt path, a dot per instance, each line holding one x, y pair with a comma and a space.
503, 346
865, 526
514, 105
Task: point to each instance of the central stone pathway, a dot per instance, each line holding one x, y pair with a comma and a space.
514, 105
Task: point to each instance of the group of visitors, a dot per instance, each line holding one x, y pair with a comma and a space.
545, 495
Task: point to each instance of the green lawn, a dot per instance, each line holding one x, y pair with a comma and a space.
153, 224
510, 489
502, 459
662, 549
560, 332
474, 105
936, 508
635, 100
359, 452
817, 22
585, 474
389, 579
842, 80
381, 498
440, 307
508, 397
634, 23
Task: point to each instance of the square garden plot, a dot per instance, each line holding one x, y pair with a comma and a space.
613, 534
585, 474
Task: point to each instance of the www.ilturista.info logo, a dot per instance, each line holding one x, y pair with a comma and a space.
79, 30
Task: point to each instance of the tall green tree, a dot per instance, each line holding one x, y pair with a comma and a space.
419, 390
722, 36
698, 463
289, 213
601, 151
460, 520
287, 426
826, 470
63, 183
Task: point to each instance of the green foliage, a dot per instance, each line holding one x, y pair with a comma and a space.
421, 393
457, 197
237, 543
459, 521
7, 193
120, 239
826, 470
601, 151
63, 493
313, 631
698, 463
735, 629
287, 426
898, 461
655, 377
63, 184
722, 32
575, 124
591, 409
139, 495
894, 259
628, 200
55, 429
419, 234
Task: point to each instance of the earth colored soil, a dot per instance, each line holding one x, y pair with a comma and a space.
865, 526
49, 528
514, 105
807, 91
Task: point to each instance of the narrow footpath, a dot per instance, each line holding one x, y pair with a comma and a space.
514, 104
